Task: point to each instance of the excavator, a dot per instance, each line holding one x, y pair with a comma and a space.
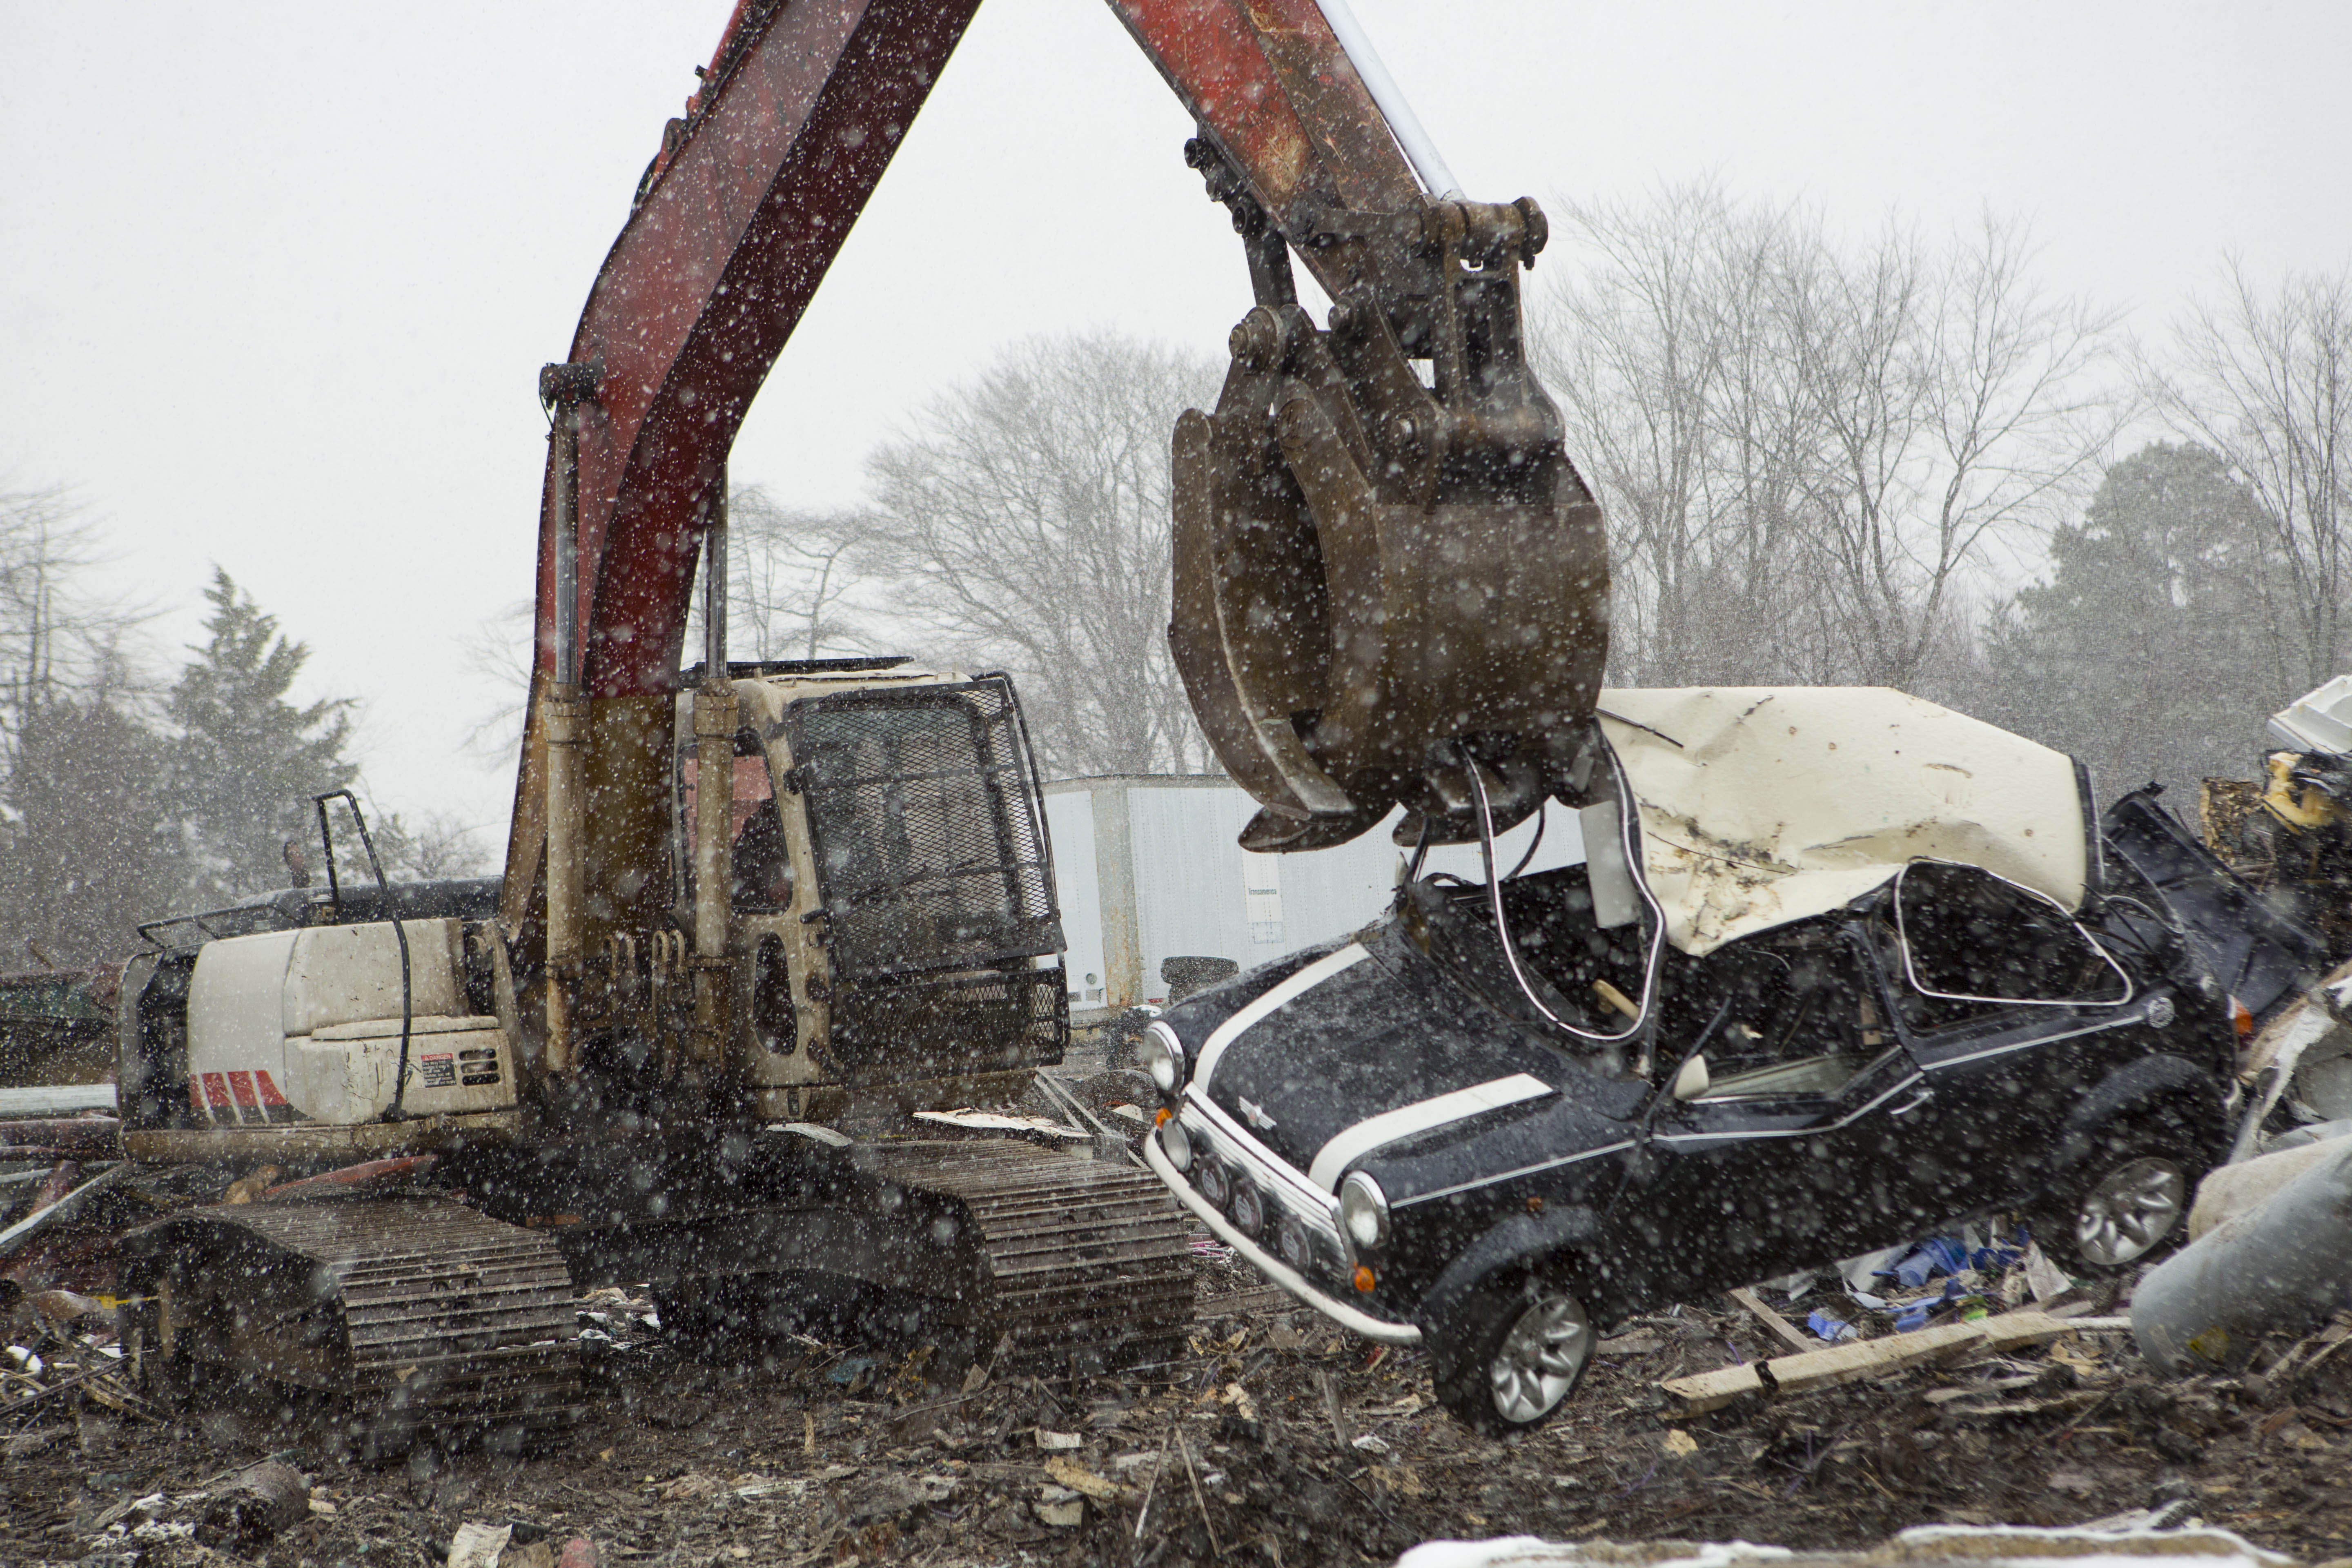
758, 920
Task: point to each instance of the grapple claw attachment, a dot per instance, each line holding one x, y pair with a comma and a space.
1381, 583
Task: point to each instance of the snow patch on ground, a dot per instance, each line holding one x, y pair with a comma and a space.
2023, 1546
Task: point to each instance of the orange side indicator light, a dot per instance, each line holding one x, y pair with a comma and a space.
1364, 1280
1159, 1117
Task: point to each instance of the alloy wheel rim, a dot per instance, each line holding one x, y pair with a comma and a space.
1538, 1359
2131, 1209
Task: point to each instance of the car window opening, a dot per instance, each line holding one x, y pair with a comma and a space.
1804, 1020
1968, 941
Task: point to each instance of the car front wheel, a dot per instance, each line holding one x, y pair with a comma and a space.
1522, 1351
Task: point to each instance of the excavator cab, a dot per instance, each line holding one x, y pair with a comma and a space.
893, 927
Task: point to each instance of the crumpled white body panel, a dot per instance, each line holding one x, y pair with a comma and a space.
1785, 802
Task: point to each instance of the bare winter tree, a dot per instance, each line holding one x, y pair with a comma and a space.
1811, 448
1022, 520
428, 846
795, 580
54, 634
1659, 341
497, 650
2263, 379
1961, 410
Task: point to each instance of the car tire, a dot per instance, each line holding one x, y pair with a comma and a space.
1521, 1346
2128, 1200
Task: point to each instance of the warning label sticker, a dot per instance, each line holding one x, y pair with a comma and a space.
438, 1071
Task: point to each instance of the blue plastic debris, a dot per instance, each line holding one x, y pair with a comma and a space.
849, 1370
1914, 1314
1996, 1257
1937, 1255
1832, 1328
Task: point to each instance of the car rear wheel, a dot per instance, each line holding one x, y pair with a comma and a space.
2128, 1201
1523, 1349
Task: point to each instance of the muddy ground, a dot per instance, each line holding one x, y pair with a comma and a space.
1275, 1439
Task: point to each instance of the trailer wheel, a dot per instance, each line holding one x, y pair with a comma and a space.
1522, 1348
2128, 1200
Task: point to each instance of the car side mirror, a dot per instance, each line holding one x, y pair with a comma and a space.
1692, 1080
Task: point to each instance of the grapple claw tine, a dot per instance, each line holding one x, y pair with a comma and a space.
1249, 633
1379, 583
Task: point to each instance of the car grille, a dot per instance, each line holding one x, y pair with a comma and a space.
1291, 1211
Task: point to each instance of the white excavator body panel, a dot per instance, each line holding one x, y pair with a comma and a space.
294, 1027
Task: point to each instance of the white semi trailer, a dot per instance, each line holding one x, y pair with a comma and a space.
1147, 868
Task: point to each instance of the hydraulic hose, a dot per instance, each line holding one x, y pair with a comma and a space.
1511, 948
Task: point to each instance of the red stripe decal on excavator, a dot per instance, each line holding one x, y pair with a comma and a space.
217, 1098
249, 1104
274, 1106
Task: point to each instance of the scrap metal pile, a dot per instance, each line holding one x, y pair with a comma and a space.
1968, 1378
1268, 1436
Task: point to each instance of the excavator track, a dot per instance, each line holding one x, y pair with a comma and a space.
412, 1313
1085, 1258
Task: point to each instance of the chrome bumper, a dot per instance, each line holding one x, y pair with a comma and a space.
1353, 1320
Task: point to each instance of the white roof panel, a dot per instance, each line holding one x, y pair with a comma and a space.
1764, 804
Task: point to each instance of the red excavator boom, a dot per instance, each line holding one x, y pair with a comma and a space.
1328, 490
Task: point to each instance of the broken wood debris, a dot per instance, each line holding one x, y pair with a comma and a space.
264, 1499
1850, 1363
65, 1208
1773, 1320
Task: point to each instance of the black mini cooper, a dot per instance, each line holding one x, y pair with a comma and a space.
1491, 1122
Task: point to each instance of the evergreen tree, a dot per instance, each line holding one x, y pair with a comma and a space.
249, 760
93, 850
2159, 644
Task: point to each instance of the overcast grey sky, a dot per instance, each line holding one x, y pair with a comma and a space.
276, 278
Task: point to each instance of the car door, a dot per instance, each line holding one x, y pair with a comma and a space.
1795, 1153
2011, 1010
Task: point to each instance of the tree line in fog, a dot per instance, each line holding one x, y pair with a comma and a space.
1889, 457
127, 794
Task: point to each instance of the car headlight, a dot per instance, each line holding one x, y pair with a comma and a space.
1162, 1054
1176, 1143
1364, 1211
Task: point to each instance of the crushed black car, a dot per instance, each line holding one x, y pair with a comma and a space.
1838, 966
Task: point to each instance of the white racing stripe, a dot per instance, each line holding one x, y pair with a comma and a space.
1407, 1119
1289, 991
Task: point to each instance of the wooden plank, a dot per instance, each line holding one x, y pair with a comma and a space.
1773, 1320
1867, 1358
2014, 1331
1861, 1359
1707, 1391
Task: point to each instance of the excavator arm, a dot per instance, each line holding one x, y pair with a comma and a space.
1390, 584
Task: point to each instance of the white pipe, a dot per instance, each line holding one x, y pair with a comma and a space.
1419, 150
